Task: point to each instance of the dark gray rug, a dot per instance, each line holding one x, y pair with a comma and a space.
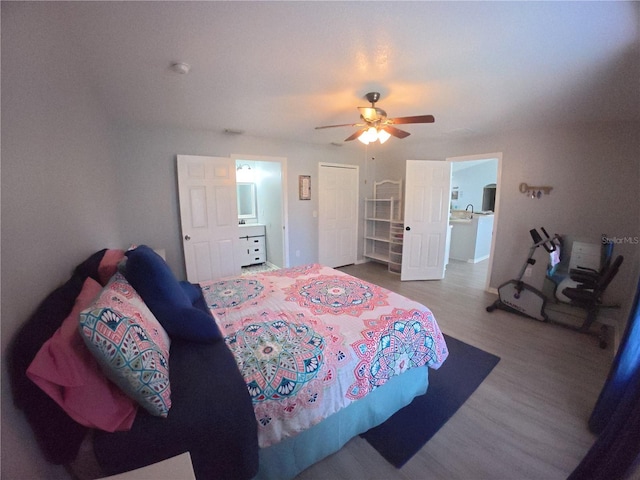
409, 429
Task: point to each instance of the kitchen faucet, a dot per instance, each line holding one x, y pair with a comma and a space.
470, 205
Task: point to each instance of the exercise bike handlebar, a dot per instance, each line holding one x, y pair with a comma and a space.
547, 243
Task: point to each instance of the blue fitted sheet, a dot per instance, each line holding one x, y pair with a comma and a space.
288, 458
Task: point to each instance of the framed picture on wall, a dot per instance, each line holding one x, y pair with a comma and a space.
304, 185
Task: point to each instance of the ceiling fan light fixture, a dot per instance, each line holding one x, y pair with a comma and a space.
376, 124
383, 136
364, 137
372, 134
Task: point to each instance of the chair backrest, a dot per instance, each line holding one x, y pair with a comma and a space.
606, 253
609, 274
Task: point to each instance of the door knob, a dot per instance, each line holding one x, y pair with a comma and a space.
187, 237
408, 228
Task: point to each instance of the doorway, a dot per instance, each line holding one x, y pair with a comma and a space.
472, 176
267, 177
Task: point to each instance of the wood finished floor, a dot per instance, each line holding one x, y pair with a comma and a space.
527, 420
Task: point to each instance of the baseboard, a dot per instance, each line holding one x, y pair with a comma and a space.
479, 259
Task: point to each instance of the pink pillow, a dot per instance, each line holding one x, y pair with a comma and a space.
109, 265
67, 371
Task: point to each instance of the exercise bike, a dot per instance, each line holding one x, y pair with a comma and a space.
519, 297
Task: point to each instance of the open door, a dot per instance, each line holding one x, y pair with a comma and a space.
209, 217
426, 219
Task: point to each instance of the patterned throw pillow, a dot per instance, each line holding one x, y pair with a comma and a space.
130, 345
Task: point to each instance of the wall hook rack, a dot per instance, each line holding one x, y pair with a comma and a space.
534, 192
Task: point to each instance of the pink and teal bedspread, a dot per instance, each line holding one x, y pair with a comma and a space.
311, 340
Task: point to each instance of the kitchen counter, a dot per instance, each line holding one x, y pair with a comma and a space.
460, 220
471, 236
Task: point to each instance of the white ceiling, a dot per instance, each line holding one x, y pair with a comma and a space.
279, 69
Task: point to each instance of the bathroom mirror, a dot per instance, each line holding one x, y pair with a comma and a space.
246, 200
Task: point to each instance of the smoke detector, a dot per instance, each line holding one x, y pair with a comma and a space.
181, 68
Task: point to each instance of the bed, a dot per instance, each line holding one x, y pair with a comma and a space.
296, 362
311, 341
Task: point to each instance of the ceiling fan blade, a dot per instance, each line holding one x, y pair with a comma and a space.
396, 132
416, 119
342, 125
356, 135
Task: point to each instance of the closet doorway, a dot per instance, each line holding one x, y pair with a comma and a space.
267, 176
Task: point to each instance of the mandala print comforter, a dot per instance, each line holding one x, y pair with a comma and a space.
310, 340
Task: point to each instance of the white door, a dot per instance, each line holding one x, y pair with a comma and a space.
338, 218
426, 219
209, 218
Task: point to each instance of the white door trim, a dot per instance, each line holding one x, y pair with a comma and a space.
496, 214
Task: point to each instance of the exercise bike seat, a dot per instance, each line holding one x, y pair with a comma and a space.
589, 277
590, 299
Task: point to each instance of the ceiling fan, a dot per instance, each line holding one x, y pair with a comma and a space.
376, 125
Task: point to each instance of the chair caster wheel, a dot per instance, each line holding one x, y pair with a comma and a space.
491, 308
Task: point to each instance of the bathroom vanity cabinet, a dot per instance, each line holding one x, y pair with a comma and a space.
252, 245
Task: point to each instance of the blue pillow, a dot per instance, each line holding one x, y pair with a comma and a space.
193, 291
197, 326
152, 278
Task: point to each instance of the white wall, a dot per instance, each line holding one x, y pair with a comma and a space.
59, 195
